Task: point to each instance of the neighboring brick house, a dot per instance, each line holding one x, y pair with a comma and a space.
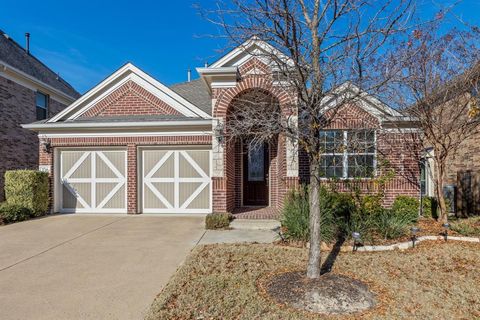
29, 91
133, 145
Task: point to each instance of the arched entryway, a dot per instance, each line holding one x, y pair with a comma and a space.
252, 165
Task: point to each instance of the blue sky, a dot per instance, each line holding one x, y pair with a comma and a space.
87, 40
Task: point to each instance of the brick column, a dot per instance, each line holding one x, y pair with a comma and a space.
132, 179
45, 160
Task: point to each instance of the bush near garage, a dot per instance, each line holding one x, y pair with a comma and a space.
10, 213
28, 189
217, 221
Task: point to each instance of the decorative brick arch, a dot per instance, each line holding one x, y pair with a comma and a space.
227, 189
225, 97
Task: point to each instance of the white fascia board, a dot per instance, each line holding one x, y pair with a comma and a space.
144, 80
122, 134
133, 124
254, 41
26, 78
222, 71
89, 94
366, 101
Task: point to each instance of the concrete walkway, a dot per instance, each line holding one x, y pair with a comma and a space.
97, 266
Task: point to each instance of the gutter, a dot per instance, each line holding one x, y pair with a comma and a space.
5, 67
109, 125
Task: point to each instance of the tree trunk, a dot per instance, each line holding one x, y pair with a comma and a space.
314, 255
440, 172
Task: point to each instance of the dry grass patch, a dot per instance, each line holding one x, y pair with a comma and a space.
436, 280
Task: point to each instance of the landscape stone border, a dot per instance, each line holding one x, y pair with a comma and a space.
409, 244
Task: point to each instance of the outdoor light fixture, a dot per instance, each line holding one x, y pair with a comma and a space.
356, 240
414, 231
219, 131
446, 226
46, 146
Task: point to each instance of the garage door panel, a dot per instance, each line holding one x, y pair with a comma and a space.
201, 201
117, 200
93, 181
81, 193
154, 199
173, 179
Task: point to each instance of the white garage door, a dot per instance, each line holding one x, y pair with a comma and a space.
176, 181
93, 181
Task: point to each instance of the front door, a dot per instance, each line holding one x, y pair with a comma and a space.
255, 175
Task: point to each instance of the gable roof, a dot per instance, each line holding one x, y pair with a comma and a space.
253, 47
14, 56
126, 73
367, 101
195, 92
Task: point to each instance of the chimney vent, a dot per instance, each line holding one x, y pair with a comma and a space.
189, 75
206, 64
27, 42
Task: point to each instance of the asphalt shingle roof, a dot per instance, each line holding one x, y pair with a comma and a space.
196, 93
14, 55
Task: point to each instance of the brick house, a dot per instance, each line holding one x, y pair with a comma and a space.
29, 91
133, 145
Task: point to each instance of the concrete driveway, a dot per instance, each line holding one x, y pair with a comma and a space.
90, 267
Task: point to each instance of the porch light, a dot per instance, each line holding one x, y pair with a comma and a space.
356, 240
46, 146
446, 226
414, 231
219, 131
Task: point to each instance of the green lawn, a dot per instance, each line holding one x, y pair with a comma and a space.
436, 280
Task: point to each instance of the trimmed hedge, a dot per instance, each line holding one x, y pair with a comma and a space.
10, 213
407, 207
217, 221
28, 189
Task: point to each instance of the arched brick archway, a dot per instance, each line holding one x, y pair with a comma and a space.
228, 182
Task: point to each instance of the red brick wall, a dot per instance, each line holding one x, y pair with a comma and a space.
129, 99
131, 144
18, 146
466, 158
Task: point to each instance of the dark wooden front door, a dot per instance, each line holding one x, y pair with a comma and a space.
255, 175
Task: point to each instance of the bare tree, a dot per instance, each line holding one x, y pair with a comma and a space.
438, 86
324, 44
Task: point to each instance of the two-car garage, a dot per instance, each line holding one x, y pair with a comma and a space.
169, 180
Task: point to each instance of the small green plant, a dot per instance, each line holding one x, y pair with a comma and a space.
295, 215
217, 220
28, 189
390, 224
10, 213
406, 207
467, 226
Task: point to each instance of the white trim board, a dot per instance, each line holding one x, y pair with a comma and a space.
125, 134
129, 72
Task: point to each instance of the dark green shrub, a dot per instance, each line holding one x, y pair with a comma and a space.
429, 207
10, 213
390, 224
406, 207
28, 189
295, 215
334, 208
371, 204
217, 220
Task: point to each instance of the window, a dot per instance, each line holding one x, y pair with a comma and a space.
41, 105
348, 154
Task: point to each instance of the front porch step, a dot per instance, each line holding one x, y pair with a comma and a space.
254, 224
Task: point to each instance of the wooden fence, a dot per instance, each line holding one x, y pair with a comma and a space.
468, 193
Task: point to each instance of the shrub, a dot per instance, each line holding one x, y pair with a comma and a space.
334, 208
10, 213
217, 220
390, 224
295, 215
406, 207
28, 189
429, 207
